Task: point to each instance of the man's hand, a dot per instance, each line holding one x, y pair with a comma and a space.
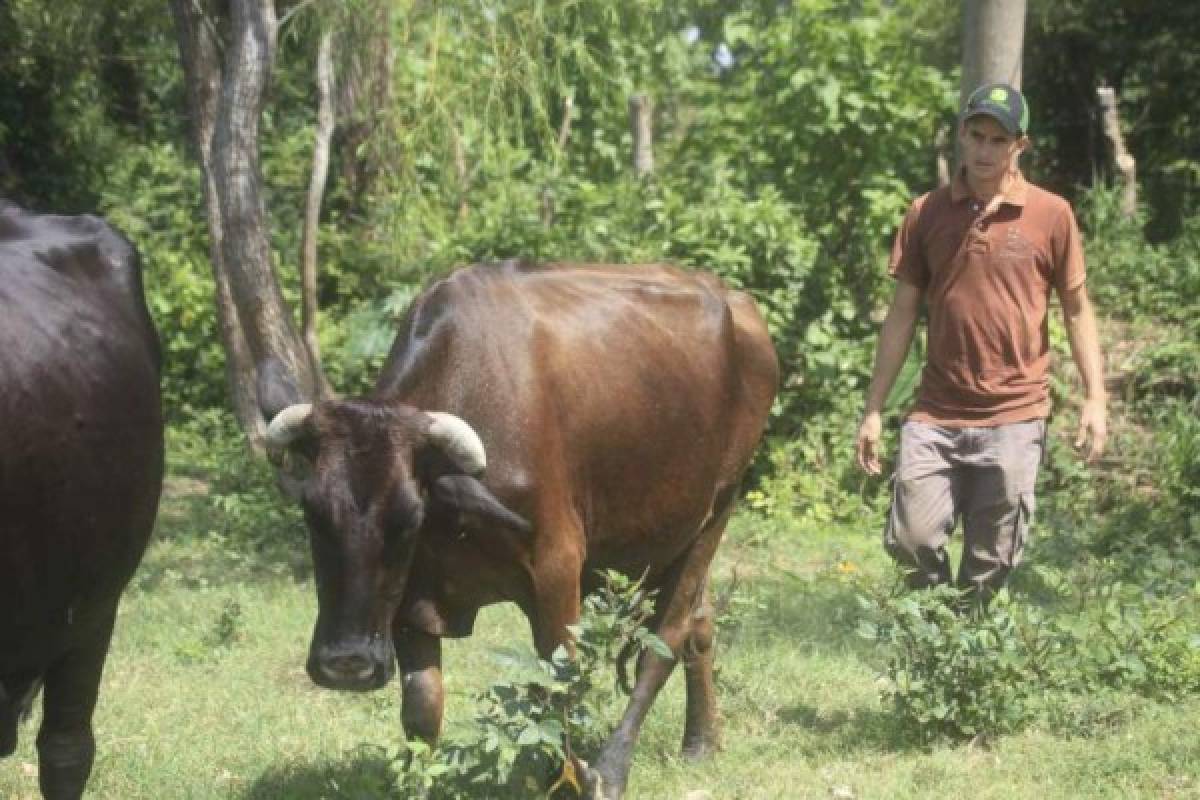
1093, 429
867, 444
1080, 320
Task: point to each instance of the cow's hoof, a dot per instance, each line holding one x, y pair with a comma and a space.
697, 748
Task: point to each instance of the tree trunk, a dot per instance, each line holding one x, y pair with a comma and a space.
993, 44
462, 174
941, 154
560, 156
1123, 161
196, 28
364, 92
316, 191
284, 373
641, 111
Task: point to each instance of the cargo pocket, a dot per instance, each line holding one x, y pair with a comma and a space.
1026, 505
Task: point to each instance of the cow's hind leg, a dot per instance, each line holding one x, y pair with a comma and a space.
680, 595
65, 744
701, 735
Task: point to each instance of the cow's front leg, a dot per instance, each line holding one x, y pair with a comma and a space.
423, 697
556, 599
16, 697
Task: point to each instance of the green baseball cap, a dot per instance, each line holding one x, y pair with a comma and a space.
1002, 103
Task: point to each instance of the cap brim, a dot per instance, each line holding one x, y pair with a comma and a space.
1006, 121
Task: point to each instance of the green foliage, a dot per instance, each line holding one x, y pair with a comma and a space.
1130, 277
1165, 372
817, 112
154, 196
1125, 639
952, 669
208, 646
948, 672
530, 729
822, 106
784, 167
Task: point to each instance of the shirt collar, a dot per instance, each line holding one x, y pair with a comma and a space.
1014, 195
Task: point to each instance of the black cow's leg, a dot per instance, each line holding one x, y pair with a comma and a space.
422, 696
65, 743
16, 697
8, 722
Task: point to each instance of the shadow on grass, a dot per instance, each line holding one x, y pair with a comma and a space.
365, 774
812, 612
844, 732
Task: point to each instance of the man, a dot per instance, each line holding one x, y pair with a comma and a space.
982, 255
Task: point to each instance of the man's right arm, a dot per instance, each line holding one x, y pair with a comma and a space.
895, 338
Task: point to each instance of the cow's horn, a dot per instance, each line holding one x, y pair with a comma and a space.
458, 441
288, 425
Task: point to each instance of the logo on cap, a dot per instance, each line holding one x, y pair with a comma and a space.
999, 95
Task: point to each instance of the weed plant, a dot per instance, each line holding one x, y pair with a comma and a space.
530, 729
952, 670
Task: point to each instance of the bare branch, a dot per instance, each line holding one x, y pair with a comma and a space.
316, 191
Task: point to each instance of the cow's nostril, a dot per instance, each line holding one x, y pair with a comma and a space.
351, 665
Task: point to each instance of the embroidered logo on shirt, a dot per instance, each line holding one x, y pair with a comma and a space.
1015, 247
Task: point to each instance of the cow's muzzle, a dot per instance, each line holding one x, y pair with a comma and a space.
358, 664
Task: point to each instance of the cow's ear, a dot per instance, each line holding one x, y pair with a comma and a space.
466, 495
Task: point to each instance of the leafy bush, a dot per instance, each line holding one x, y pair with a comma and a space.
951, 669
531, 728
946, 672
154, 196
1128, 275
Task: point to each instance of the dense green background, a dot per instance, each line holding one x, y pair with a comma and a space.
784, 168
785, 171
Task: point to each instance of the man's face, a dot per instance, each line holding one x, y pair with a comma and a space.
988, 151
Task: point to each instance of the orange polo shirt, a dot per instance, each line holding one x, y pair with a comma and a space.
986, 279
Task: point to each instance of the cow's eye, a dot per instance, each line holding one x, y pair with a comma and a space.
403, 520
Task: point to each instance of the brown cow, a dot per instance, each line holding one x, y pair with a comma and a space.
615, 409
81, 464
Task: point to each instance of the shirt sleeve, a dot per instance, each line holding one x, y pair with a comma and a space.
1070, 270
907, 262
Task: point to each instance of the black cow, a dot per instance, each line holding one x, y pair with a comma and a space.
81, 465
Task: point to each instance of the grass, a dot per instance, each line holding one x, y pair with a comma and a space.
205, 697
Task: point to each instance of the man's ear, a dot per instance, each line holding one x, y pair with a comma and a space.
466, 495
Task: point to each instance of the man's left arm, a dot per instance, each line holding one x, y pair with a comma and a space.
1085, 348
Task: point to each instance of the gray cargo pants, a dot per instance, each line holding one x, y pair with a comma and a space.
986, 476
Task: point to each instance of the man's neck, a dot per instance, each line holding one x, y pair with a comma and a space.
985, 191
